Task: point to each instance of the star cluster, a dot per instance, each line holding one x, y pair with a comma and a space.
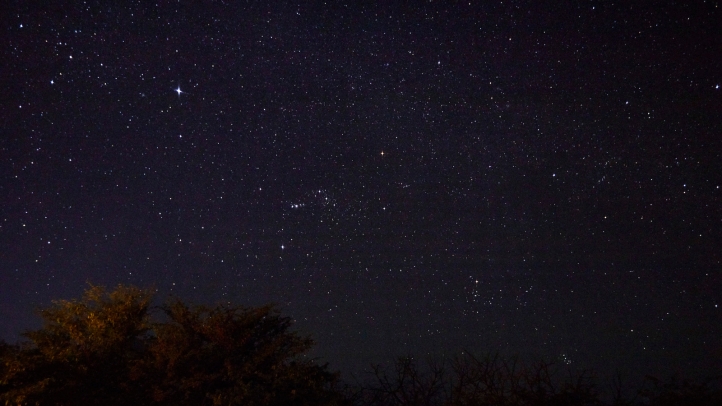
497, 176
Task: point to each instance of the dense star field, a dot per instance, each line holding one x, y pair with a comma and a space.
538, 179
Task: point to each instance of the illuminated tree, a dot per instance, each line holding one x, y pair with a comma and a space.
107, 349
82, 352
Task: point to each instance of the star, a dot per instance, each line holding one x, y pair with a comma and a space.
179, 91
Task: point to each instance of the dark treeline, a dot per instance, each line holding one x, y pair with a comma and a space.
115, 348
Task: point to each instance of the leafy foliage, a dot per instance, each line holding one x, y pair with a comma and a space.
106, 349
83, 351
231, 355
114, 348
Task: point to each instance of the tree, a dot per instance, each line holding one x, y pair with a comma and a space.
83, 351
232, 355
468, 380
107, 349
676, 392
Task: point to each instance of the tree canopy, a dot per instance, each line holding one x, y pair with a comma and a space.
114, 348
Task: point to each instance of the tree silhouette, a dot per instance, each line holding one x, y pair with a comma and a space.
468, 380
107, 349
114, 348
676, 392
82, 353
231, 355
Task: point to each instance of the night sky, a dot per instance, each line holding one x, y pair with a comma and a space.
537, 178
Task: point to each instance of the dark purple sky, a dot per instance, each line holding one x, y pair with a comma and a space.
535, 178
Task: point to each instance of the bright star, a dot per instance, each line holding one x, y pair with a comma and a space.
178, 90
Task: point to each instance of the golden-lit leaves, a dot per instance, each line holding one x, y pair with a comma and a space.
106, 349
97, 323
